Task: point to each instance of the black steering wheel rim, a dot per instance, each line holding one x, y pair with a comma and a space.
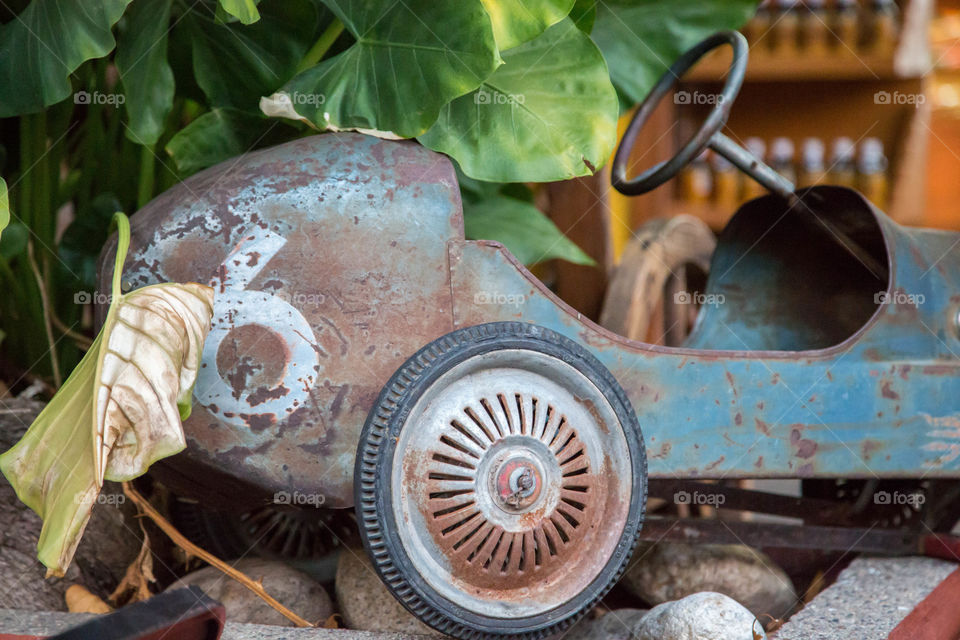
663, 171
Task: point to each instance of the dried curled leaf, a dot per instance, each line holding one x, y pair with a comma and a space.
80, 600
118, 412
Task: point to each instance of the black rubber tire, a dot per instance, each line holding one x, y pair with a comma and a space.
372, 480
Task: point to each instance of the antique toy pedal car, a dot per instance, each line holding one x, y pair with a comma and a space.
489, 437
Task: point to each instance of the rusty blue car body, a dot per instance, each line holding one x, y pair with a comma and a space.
826, 343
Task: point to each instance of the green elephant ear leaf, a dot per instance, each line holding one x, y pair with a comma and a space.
409, 59
235, 64
549, 113
583, 14
516, 21
243, 10
520, 227
641, 38
144, 71
45, 43
118, 412
221, 134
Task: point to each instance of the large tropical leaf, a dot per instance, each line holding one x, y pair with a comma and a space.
222, 134
549, 113
583, 14
118, 412
516, 21
235, 64
45, 43
641, 38
521, 227
144, 72
409, 59
243, 10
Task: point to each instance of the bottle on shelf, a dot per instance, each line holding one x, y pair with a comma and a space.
785, 28
815, 33
759, 25
846, 25
781, 158
726, 183
751, 188
812, 170
843, 171
872, 170
696, 181
883, 27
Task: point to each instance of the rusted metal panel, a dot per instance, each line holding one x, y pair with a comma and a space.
328, 257
886, 401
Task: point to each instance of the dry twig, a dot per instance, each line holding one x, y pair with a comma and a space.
178, 539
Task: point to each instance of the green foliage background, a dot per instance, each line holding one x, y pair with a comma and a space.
106, 103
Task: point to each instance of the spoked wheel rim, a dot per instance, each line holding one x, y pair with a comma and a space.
488, 514
503, 487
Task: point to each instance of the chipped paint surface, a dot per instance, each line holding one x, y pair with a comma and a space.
856, 409
328, 256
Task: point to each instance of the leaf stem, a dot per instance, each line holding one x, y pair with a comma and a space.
47, 312
123, 244
147, 175
322, 45
192, 549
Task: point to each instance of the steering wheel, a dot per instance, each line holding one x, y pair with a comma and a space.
708, 135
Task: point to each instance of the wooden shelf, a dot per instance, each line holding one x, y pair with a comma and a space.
765, 68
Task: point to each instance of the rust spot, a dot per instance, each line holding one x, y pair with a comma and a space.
868, 447
759, 463
262, 394
888, 392
663, 453
251, 356
716, 463
738, 419
762, 426
259, 422
806, 448
940, 370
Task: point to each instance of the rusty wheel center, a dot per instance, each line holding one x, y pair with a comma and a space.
516, 485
